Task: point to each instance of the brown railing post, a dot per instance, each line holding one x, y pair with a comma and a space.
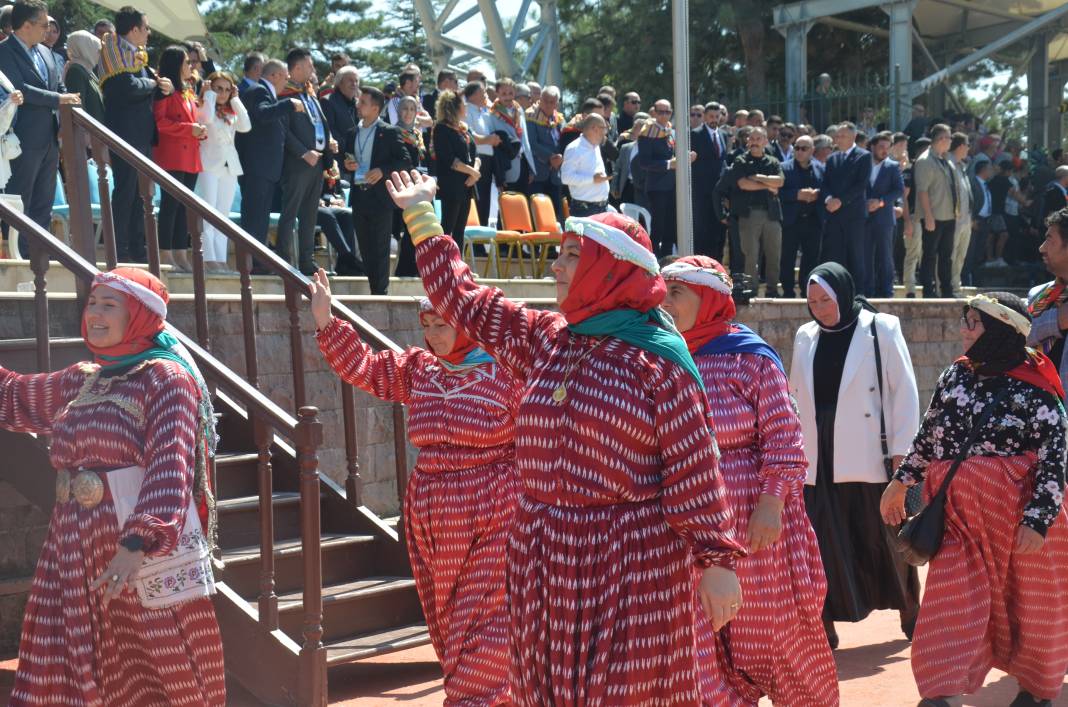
400, 451
39, 265
248, 321
268, 600
83, 236
200, 295
353, 483
102, 157
148, 192
311, 682
296, 344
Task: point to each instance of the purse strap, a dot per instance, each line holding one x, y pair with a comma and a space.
973, 434
879, 375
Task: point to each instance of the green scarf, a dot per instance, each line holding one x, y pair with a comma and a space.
163, 341
633, 327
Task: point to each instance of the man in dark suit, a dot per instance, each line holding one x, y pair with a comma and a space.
885, 187
844, 184
128, 101
446, 82
31, 67
261, 148
372, 151
1055, 197
711, 148
802, 217
307, 143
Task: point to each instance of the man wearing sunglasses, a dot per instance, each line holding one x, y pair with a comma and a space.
632, 103
802, 217
656, 157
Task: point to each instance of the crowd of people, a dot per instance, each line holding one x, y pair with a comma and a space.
630, 500
938, 204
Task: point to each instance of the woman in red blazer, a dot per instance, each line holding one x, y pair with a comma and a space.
177, 151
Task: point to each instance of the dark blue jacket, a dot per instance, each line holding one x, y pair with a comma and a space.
128, 101
889, 186
847, 179
795, 179
37, 120
654, 156
710, 163
262, 148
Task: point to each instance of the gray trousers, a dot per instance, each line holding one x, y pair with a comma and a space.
302, 186
961, 242
913, 255
760, 233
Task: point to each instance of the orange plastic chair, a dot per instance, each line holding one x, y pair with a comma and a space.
541, 206
517, 230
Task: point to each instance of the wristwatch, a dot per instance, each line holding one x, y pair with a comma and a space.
133, 543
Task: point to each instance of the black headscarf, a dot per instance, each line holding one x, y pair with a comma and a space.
1000, 348
845, 291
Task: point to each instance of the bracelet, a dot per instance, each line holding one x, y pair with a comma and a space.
422, 222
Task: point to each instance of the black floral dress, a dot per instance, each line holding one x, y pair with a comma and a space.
1027, 419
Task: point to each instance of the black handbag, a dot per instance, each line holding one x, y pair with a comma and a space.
920, 537
913, 499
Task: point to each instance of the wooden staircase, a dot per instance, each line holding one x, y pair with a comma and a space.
308, 577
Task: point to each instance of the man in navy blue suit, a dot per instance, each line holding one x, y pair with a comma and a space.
261, 149
711, 147
845, 182
802, 216
885, 188
31, 67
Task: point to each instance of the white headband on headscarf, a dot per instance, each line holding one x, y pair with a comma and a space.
704, 277
825, 285
989, 305
136, 290
618, 243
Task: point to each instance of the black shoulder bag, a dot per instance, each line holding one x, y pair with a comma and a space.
921, 536
913, 500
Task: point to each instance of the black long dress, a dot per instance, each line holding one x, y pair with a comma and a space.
864, 571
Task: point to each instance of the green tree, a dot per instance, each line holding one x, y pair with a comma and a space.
274, 27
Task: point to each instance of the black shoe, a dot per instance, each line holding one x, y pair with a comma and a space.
832, 634
934, 702
1026, 699
908, 623
911, 295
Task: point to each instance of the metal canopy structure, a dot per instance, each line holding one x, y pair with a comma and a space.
1030, 35
457, 50
178, 19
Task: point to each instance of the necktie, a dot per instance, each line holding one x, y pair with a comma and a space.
38, 62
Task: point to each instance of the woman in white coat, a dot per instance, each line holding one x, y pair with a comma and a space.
841, 403
221, 111
10, 100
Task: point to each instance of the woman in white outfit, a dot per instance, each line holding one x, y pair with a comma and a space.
10, 100
222, 112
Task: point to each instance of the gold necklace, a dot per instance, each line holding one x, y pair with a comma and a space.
560, 394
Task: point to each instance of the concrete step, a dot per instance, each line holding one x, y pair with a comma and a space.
16, 276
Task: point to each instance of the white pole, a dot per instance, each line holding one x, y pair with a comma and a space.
680, 22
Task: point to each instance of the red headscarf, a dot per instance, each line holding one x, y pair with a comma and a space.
1037, 370
717, 309
146, 300
603, 282
460, 348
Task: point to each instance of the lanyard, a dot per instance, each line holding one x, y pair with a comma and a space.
362, 144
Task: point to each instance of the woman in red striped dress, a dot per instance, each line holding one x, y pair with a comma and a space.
995, 595
461, 498
621, 498
777, 643
119, 612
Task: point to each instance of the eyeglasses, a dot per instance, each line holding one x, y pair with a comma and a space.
786, 136
969, 324
633, 101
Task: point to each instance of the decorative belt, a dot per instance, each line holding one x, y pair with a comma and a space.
83, 485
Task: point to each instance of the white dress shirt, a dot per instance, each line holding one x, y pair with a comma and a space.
478, 121
582, 160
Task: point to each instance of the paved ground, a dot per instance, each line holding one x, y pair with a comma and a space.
873, 666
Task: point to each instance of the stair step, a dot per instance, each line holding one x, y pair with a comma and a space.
344, 557
252, 503
357, 589
239, 518
237, 474
368, 645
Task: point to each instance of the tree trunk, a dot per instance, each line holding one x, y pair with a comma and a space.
751, 32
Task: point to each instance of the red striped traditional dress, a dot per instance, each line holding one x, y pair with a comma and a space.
621, 500
74, 651
777, 639
460, 501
